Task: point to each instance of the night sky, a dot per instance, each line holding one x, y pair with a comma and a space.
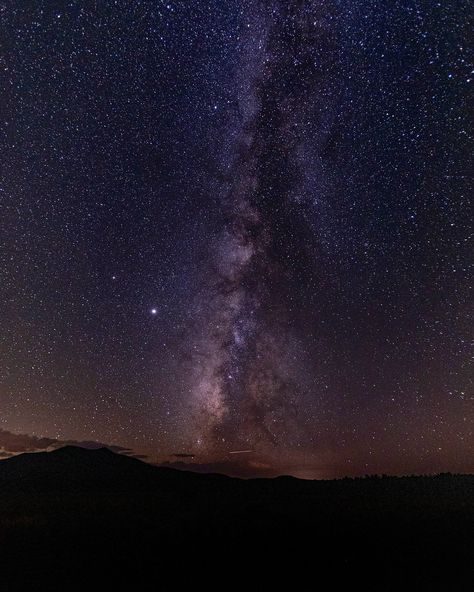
236, 234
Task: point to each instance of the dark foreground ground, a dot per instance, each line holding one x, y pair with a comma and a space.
94, 520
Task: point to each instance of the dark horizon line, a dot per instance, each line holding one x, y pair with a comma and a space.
374, 476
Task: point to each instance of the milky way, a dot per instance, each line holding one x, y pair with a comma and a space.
247, 359
237, 234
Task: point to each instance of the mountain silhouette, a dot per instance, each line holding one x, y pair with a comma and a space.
76, 469
84, 518
73, 468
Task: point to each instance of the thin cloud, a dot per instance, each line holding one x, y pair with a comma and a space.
11, 444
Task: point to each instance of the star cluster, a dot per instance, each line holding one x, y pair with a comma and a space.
240, 226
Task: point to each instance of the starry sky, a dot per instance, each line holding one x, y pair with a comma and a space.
236, 234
